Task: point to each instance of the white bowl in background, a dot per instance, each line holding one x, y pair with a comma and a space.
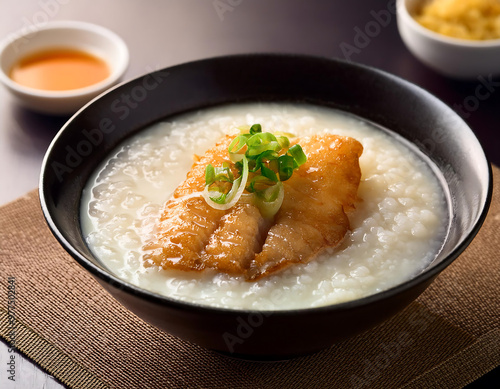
75, 35
457, 58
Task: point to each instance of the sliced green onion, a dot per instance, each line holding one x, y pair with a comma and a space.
283, 141
286, 165
258, 184
262, 142
217, 197
223, 174
262, 158
218, 174
256, 128
271, 194
235, 158
209, 174
298, 154
224, 201
269, 201
260, 138
269, 173
257, 150
268, 157
238, 145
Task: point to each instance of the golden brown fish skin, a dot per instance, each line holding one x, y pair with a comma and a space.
239, 236
194, 236
187, 222
313, 214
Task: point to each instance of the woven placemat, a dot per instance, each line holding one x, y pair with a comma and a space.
71, 327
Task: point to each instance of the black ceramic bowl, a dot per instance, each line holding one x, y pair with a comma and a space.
377, 96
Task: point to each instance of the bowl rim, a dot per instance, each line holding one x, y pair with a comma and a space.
404, 15
85, 27
116, 282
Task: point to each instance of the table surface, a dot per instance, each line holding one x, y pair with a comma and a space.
162, 33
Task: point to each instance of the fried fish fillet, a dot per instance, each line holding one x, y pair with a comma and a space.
187, 222
317, 197
194, 236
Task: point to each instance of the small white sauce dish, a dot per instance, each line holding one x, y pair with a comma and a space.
453, 57
74, 35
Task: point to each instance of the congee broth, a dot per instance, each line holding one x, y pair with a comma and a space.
397, 228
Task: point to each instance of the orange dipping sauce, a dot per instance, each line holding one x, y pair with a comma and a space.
59, 70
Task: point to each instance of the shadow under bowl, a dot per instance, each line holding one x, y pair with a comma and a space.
384, 99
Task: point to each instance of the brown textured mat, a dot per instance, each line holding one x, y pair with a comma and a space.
70, 326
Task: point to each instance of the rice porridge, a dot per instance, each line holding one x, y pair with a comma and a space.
397, 229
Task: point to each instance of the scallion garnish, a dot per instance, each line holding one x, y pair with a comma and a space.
223, 174
218, 198
269, 201
286, 165
298, 155
263, 160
